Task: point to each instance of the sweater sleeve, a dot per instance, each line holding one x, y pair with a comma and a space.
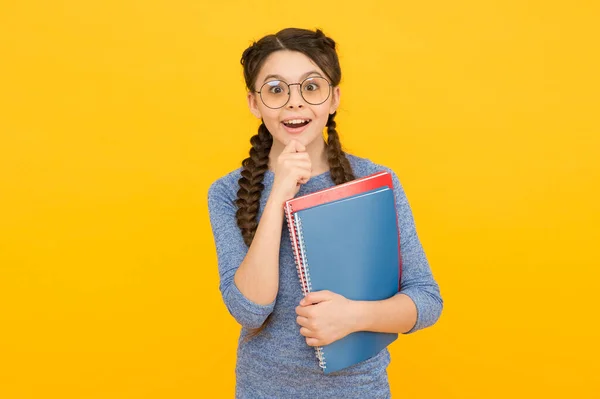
417, 281
231, 251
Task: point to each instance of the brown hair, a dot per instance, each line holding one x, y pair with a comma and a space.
321, 50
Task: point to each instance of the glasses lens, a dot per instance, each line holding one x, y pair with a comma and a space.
315, 90
274, 94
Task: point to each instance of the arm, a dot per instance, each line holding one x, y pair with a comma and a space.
248, 283
417, 283
250, 276
258, 275
397, 314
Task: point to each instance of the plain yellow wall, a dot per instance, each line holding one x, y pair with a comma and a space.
116, 116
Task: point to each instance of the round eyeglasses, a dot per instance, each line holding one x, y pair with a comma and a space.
276, 93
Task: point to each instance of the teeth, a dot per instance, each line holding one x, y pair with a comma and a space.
296, 121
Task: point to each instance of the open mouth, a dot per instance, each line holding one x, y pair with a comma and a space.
296, 123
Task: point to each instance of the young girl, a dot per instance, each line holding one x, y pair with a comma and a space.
292, 79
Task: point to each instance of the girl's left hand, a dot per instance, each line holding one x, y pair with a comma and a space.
325, 317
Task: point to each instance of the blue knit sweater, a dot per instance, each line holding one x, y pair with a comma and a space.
278, 363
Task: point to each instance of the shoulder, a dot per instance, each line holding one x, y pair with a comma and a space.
223, 191
364, 166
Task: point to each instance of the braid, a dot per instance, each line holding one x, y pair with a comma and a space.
340, 169
255, 166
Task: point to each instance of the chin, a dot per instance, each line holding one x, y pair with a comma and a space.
305, 140
306, 137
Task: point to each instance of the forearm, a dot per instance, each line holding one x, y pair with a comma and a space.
397, 314
258, 275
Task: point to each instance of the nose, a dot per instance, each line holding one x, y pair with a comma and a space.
296, 99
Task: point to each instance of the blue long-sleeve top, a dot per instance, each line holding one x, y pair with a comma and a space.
278, 363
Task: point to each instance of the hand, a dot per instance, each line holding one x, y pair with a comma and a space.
293, 168
325, 317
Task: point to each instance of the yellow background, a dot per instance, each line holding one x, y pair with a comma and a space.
116, 116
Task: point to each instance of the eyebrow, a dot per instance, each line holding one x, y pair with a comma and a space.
279, 77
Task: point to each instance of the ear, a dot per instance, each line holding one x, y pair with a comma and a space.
335, 101
253, 104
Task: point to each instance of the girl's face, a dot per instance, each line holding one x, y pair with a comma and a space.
293, 67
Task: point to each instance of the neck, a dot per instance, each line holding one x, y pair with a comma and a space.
316, 152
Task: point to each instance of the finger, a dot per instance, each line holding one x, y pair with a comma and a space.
297, 156
294, 146
302, 321
312, 341
299, 147
305, 332
303, 311
300, 166
290, 147
303, 175
295, 163
312, 298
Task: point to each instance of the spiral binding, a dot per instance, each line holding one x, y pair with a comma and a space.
297, 259
306, 275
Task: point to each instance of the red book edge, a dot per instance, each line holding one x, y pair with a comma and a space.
340, 191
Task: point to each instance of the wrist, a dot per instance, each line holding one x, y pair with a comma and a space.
359, 312
275, 200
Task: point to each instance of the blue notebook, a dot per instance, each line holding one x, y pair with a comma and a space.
350, 247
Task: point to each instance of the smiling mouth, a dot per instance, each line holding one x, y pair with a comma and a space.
296, 123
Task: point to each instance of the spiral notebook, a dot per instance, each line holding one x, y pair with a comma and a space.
357, 186
349, 245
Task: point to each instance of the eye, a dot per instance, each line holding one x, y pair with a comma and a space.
311, 87
274, 87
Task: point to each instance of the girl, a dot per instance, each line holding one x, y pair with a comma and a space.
292, 79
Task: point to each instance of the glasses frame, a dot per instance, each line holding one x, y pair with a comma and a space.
289, 91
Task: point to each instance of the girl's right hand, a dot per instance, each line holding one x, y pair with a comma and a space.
292, 168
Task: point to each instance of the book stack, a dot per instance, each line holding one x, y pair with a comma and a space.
346, 240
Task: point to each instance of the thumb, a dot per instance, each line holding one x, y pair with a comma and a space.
313, 298
294, 146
